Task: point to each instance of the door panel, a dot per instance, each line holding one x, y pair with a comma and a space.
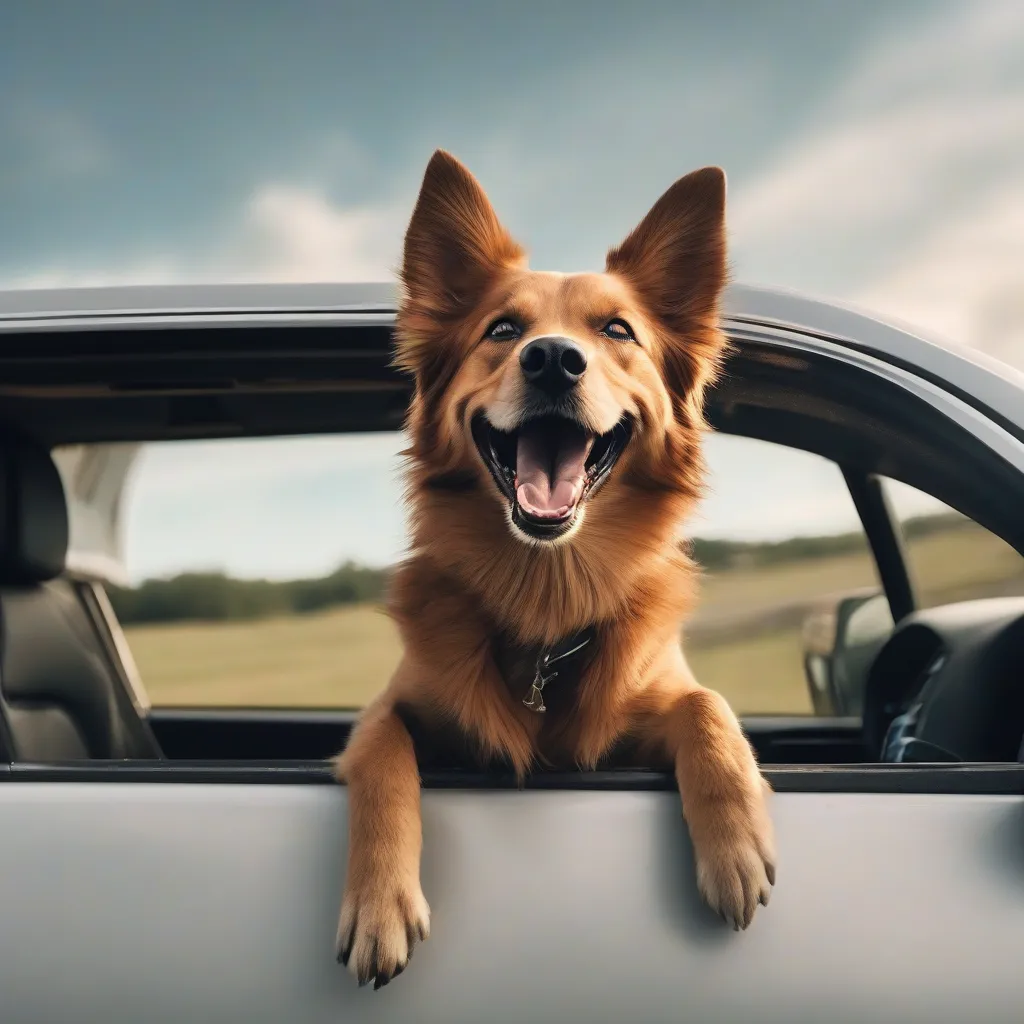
170, 902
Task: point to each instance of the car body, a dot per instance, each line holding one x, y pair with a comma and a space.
203, 883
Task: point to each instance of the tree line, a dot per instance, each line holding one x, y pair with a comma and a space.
216, 597
717, 555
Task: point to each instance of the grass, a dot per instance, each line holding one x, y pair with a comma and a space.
342, 657
339, 658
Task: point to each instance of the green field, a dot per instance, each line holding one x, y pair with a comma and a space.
744, 639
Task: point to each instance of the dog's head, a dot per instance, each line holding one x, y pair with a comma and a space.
567, 397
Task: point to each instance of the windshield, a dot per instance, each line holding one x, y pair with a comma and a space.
874, 152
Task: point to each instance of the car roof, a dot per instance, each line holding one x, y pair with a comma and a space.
981, 380
171, 299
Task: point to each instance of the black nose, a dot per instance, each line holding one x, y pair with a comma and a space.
554, 364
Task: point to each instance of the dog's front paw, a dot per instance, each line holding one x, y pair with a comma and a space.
736, 866
380, 924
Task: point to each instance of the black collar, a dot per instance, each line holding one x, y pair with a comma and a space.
528, 668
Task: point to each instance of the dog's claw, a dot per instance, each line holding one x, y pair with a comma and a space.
735, 878
378, 932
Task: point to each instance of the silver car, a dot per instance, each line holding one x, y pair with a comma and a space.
187, 865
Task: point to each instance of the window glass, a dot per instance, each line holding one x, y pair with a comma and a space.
781, 545
254, 569
950, 557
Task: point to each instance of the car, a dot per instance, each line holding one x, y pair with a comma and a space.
186, 864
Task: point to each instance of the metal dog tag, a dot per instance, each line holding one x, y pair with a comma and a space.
534, 700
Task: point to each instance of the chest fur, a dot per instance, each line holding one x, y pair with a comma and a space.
544, 682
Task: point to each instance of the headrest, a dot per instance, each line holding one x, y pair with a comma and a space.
33, 514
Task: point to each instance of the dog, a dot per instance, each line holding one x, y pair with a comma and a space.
556, 424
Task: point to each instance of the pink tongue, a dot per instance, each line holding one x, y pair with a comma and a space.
550, 468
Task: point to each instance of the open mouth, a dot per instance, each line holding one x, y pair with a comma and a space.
548, 467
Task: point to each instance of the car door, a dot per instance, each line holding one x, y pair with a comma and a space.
209, 891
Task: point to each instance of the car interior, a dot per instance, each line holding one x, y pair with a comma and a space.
61, 696
924, 686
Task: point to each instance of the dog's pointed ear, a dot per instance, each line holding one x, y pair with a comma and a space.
675, 257
455, 245
675, 260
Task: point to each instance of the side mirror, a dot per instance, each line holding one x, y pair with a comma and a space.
840, 643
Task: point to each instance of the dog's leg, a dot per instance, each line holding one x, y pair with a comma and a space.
383, 912
725, 803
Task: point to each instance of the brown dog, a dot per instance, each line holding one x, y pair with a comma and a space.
556, 450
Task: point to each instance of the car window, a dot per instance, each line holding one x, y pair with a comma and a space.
256, 569
781, 546
950, 557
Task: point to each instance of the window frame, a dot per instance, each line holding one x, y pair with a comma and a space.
894, 377
875, 514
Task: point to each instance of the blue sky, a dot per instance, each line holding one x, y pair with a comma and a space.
875, 154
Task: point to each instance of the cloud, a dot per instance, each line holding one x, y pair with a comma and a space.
286, 229
975, 46
964, 281
905, 192
860, 176
301, 236
285, 233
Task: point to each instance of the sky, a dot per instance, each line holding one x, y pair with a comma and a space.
874, 152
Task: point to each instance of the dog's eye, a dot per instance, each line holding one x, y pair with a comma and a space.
503, 330
618, 330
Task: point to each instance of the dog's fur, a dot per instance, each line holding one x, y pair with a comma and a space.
474, 577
